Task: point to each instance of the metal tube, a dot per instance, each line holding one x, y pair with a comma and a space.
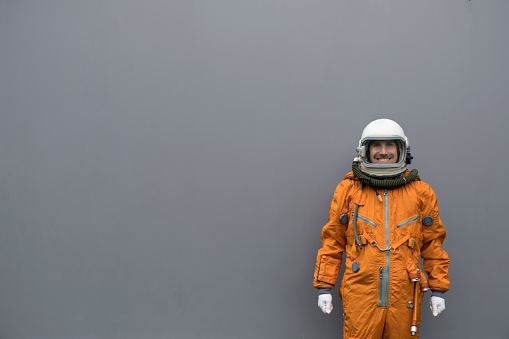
355, 221
413, 329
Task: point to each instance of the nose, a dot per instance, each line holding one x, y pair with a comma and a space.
383, 150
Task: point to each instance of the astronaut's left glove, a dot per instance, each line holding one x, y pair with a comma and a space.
436, 305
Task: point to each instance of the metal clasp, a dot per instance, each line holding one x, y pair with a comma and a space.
391, 249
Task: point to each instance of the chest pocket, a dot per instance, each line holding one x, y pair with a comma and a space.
404, 227
366, 220
370, 228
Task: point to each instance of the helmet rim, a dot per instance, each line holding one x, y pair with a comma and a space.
383, 129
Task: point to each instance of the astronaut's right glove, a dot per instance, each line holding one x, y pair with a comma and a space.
325, 303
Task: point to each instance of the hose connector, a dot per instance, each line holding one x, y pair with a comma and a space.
413, 330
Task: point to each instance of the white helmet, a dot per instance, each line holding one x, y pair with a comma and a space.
383, 129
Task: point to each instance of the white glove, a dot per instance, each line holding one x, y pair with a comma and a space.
436, 305
325, 303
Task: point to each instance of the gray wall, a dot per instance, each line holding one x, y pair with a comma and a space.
167, 166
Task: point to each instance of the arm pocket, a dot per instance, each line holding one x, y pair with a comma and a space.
327, 270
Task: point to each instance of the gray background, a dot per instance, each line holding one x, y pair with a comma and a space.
167, 166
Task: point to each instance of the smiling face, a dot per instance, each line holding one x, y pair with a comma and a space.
383, 151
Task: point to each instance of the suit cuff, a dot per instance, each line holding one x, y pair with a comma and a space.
324, 290
438, 293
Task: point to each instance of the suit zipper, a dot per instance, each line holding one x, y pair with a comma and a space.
384, 272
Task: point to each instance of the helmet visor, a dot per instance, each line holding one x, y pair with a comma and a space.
400, 156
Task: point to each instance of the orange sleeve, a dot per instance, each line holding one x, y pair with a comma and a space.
435, 259
328, 260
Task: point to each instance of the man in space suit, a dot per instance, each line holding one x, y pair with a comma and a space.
384, 218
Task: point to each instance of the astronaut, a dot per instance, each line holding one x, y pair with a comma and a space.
384, 218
